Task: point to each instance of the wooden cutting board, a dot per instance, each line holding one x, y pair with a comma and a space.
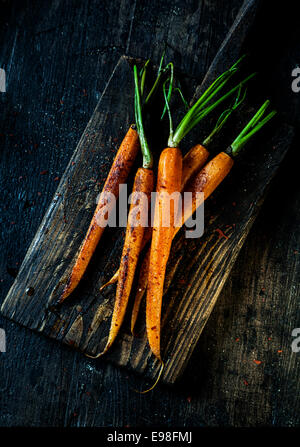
197, 270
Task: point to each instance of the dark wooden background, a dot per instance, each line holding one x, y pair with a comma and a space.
57, 56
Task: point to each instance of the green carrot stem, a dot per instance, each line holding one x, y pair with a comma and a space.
177, 89
253, 126
224, 117
168, 110
171, 81
147, 156
160, 72
191, 120
143, 76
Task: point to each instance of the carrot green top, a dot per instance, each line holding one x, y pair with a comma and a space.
203, 105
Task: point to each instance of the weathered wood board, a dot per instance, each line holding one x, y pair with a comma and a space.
198, 268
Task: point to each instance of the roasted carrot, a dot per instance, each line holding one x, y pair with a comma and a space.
168, 182
191, 163
140, 290
161, 236
118, 175
143, 184
206, 181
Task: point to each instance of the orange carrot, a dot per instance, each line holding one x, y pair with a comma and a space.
191, 163
133, 241
117, 175
141, 289
161, 236
206, 181
168, 182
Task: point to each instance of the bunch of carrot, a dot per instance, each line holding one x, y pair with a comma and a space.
175, 174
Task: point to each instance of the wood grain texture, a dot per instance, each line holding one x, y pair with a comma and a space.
42, 382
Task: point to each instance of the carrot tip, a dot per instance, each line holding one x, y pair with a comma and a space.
113, 280
90, 356
156, 381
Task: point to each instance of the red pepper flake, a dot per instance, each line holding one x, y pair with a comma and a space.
84, 92
221, 234
13, 223
257, 362
61, 102
56, 179
279, 351
237, 339
73, 163
245, 382
189, 399
44, 172
39, 193
269, 338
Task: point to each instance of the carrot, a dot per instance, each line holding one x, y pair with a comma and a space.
141, 289
162, 236
206, 181
168, 182
191, 163
118, 175
143, 183
115, 277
